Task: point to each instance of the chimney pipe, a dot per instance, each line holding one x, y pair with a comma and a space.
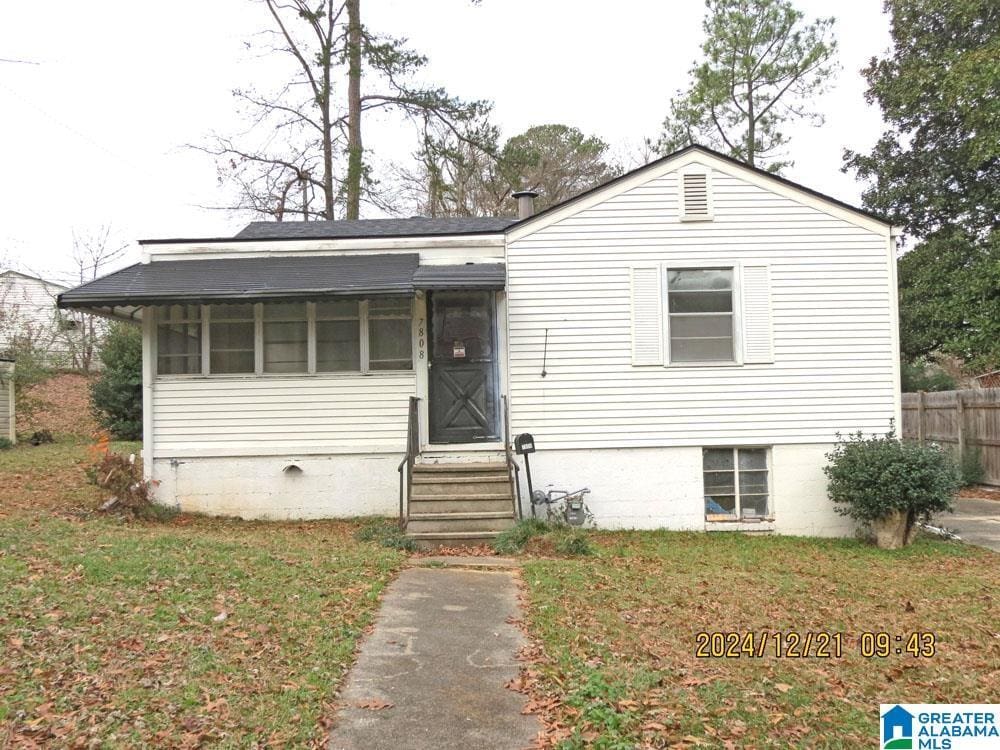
525, 203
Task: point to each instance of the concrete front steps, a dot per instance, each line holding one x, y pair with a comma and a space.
459, 504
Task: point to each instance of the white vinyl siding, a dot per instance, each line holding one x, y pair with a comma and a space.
7, 400
281, 415
828, 364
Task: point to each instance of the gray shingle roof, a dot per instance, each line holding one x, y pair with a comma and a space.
248, 278
465, 276
361, 228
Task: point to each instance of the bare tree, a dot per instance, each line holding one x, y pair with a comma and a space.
303, 152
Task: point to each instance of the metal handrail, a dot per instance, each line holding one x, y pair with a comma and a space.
412, 451
513, 470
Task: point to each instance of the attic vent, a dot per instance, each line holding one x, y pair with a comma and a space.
694, 196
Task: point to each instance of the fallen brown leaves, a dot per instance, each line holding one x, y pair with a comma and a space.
63, 406
611, 659
112, 632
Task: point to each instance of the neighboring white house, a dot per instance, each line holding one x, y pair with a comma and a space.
28, 310
686, 340
7, 410
28, 307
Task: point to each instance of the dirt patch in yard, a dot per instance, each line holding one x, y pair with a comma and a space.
60, 404
981, 492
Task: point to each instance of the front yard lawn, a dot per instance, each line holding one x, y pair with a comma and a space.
616, 636
186, 632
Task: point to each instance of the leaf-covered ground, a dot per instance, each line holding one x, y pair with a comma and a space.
180, 633
615, 638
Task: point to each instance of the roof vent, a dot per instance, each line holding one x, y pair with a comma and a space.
694, 196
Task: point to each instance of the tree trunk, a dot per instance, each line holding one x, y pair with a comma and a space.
354, 147
751, 127
892, 530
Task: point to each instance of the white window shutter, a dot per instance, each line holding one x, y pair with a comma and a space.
647, 316
758, 345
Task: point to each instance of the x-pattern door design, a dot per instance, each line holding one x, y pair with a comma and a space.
462, 380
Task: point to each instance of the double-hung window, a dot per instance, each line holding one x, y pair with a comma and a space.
284, 338
737, 484
390, 338
700, 314
231, 338
178, 334
338, 336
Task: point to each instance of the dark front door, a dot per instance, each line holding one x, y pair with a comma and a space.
463, 367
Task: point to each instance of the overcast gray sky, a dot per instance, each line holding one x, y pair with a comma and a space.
95, 132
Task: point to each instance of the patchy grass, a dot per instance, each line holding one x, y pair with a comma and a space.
615, 638
198, 631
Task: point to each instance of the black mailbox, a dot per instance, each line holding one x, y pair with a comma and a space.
524, 443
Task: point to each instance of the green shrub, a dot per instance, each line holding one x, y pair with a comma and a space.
117, 394
513, 539
387, 533
6, 443
872, 477
574, 542
921, 375
971, 466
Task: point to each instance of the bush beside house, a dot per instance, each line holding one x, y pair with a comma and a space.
117, 393
888, 485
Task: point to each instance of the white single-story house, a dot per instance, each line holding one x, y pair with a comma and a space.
7, 407
686, 340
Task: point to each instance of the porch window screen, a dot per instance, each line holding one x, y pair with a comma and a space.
700, 306
286, 338
231, 337
338, 336
390, 338
178, 335
736, 484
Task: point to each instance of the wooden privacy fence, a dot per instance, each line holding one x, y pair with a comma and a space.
964, 421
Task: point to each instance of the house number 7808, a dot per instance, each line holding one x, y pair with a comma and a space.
420, 338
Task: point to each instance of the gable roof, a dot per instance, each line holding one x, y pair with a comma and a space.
657, 163
354, 229
12, 272
420, 226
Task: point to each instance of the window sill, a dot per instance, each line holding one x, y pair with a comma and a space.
288, 376
703, 364
764, 524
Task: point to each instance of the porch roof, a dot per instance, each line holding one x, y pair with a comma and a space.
276, 278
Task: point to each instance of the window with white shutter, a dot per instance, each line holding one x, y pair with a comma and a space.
758, 345
695, 195
647, 316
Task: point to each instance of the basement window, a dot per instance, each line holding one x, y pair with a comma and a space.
737, 484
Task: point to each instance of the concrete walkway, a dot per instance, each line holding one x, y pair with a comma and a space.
976, 521
432, 674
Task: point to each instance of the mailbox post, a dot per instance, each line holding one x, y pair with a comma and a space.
524, 444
